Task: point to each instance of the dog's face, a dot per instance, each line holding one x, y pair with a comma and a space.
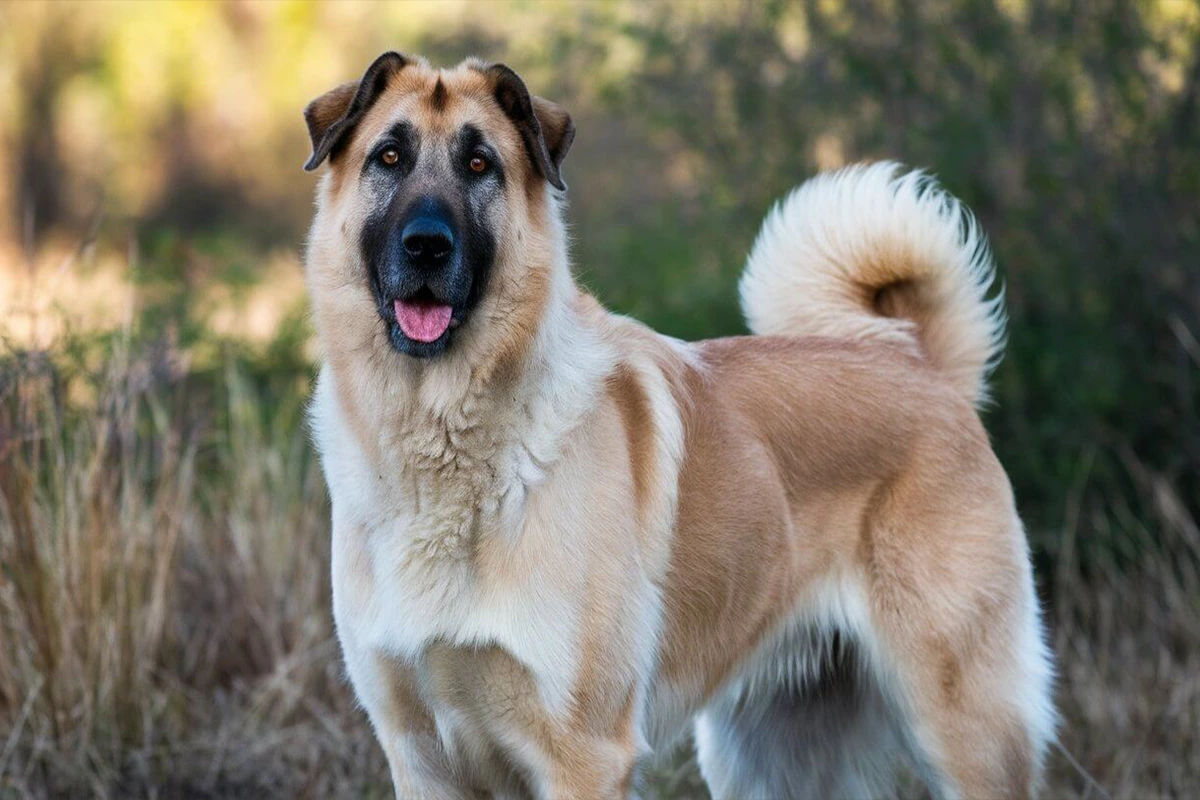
437, 183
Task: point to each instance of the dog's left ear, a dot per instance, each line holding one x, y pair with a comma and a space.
546, 128
333, 115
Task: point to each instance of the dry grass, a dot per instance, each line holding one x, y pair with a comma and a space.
165, 597
164, 608
1127, 638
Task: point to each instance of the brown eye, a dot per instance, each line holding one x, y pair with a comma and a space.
478, 164
390, 156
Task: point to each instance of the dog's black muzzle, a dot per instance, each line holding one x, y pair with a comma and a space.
421, 260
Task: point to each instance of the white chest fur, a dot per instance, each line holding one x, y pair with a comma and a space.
504, 521
432, 542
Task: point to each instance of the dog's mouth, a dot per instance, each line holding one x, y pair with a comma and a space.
422, 318
425, 319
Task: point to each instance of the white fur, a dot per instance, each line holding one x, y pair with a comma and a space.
415, 527
829, 246
1035, 674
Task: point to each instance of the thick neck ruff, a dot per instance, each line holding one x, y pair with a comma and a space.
462, 444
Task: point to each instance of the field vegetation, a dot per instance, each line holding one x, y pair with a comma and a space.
164, 595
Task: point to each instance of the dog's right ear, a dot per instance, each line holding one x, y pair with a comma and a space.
333, 116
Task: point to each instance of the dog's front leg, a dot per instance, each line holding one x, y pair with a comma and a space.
420, 767
584, 767
594, 751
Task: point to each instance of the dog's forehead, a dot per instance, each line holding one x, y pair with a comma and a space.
438, 103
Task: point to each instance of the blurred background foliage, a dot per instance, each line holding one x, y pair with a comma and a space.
152, 201
172, 131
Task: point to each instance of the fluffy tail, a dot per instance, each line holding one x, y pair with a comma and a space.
874, 252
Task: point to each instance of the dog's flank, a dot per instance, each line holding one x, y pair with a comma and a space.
559, 536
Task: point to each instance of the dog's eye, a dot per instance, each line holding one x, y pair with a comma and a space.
478, 164
390, 156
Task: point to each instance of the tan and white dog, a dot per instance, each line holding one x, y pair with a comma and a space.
562, 542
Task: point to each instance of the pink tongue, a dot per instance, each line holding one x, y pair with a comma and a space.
423, 322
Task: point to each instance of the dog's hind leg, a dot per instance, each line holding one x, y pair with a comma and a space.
977, 717
955, 637
833, 736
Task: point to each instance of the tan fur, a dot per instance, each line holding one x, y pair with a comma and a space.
627, 393
664, 510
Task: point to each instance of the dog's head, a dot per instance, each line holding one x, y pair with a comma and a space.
438, 205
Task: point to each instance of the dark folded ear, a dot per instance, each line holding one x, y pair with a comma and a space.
546, 128
333, 116
558, 129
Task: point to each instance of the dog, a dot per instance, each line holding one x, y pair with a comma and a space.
562, 542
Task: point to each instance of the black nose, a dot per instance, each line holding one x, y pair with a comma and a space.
428, 242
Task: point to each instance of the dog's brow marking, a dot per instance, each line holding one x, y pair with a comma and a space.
403, 132
407, 137
439, 98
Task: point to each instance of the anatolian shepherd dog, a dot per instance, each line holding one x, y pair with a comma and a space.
562, 541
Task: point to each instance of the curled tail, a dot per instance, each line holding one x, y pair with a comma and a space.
874, 252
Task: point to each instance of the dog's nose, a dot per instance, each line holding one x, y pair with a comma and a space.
428, 242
